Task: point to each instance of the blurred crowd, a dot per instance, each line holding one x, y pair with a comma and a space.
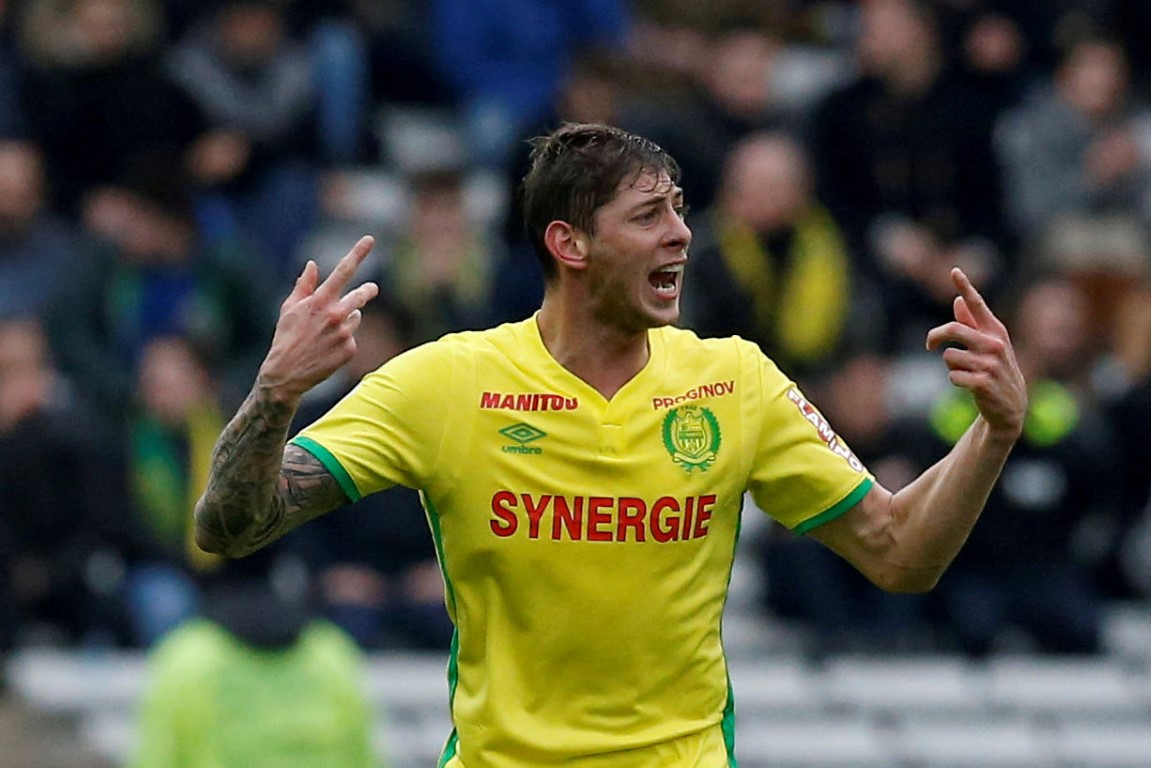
167, 167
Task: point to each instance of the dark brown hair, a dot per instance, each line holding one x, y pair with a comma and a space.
577, 169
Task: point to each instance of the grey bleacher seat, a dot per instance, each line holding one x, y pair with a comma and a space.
1059, 685
102, 689
110, 734
785, 685
1108, 742
409, 747
975, 741
418, 680
752, 637
848, 712
900, 684
69, 681
415, 138
830, 741
1127, 631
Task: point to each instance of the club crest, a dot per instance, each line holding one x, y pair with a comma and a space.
691, 435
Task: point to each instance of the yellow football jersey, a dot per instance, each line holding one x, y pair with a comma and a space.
587, 544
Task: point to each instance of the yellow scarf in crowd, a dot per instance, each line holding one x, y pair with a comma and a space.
801, 313
165, 488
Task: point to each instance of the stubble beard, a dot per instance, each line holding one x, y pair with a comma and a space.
615, 308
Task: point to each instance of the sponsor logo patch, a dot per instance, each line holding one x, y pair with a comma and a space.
527, 401
826, 433
718, 389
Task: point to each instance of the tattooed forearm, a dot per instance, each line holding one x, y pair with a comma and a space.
259, 490
306, 489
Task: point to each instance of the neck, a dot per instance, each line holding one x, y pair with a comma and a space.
604, 356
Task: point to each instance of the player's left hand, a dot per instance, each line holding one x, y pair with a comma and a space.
984, 360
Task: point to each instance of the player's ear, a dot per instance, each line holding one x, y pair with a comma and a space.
566, 244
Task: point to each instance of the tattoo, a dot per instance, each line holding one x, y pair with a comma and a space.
258, 489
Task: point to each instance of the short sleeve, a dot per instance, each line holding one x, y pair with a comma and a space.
803, 474
389, 429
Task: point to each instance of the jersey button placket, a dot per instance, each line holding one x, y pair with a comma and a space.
610, 440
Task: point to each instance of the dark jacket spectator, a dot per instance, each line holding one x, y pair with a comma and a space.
41, 254
157, 276
63, 501
103, 108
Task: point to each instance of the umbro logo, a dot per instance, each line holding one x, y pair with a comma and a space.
522, 434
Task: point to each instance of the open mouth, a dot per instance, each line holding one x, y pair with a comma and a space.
665, 280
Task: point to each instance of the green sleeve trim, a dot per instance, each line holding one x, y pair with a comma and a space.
850, 501
331, 463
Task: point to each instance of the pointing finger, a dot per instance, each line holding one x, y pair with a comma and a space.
980, 313
346, 267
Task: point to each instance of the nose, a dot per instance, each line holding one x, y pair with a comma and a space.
679, 234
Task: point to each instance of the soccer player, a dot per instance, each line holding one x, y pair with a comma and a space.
583, 471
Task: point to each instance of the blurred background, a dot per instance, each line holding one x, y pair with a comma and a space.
167, 167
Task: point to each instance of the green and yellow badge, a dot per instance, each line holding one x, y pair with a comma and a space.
691, 435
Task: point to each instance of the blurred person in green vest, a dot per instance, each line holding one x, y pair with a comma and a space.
255, 681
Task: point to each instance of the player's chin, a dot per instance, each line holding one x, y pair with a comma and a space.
663, 313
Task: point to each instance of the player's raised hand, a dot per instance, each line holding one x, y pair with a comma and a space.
315, 331
983, 361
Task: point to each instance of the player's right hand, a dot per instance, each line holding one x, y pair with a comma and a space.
315, 333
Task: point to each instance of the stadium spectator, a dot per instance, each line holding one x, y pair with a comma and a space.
41, 254
169, 445
730, 95
258, 167
769, 263
1130, 397
1006, 43
441, 268
504, 76
1077, 147
155, 276
337, 37
103, 108
63, 499
1127, 398
254, 681
905, 164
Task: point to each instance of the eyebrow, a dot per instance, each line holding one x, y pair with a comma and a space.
675, 193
